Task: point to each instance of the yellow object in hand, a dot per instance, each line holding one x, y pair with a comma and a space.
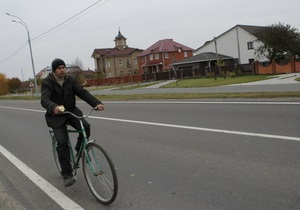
61, 108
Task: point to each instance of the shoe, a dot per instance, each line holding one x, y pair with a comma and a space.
69, 181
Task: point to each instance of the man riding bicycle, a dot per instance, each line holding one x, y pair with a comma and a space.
59, 90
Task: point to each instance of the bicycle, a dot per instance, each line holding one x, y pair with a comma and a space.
98, 168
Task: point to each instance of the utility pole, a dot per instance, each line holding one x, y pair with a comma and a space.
29, 42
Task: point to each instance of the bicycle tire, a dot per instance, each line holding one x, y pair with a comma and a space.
100, 173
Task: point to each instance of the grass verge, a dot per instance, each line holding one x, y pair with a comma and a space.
112, 97
185, 83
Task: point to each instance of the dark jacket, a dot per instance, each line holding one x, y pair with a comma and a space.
53, 95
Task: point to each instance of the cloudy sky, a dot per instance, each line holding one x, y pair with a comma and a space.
67, 29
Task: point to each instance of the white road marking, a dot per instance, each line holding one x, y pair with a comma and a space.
291, 138
203, 129
206, 102
60, 198
67, 203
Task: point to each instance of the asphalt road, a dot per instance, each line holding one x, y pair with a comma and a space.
168, 154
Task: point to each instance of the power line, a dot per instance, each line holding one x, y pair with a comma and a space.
13, 53
69, 19
52, 30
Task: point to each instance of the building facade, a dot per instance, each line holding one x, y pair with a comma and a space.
118, 61
237, 42
160, 56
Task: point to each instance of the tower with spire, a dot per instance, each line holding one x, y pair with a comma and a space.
120, 41
117, 61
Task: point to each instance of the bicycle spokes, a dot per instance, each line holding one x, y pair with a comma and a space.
100, 174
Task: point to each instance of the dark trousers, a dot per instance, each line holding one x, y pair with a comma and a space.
63, 151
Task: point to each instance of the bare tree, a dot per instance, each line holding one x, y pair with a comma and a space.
78, 62
76, 70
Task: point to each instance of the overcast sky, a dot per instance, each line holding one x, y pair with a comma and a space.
189, 22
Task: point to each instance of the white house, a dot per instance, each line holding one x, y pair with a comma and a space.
237, 42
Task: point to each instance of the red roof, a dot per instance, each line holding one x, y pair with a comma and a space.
165, 45
151, 63
87, 73
114, 51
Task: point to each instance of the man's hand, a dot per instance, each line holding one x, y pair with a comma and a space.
100, 107
59, 109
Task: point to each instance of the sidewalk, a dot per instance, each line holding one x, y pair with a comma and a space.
278, 79
158, 85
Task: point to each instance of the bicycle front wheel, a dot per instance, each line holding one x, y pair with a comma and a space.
100, 174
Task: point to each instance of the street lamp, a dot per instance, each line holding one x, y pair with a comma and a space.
29, 42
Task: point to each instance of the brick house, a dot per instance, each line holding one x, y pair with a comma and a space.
118, 61
159, 57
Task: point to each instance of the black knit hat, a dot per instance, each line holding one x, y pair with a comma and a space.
56, 63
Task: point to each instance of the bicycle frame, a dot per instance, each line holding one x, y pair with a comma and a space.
85, 141
98, 168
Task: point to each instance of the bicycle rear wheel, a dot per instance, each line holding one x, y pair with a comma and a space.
100, 174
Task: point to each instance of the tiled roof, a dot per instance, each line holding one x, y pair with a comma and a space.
114, 51
151, 63
251, 29
165, 45
88, 73
206, 56
120, 36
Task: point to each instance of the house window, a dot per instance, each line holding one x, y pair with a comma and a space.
156, 56
107, 64
185, 54
151, 57
120, 62
135, 61
128, 63
250, 45
166, 55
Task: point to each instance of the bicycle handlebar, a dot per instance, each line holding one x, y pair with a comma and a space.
80, 117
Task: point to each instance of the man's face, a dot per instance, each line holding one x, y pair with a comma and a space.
60, 71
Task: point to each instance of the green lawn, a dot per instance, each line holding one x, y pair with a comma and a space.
211, 82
